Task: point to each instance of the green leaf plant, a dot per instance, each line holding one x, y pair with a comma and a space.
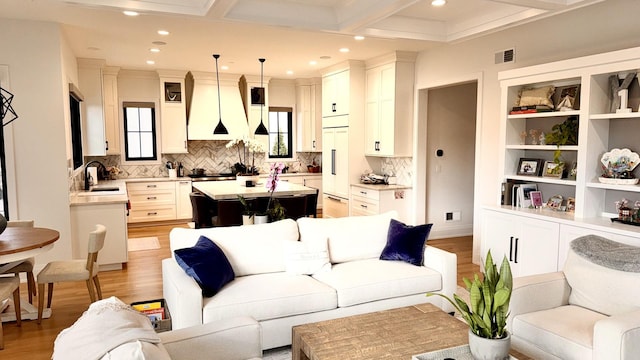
565, 133
489, 299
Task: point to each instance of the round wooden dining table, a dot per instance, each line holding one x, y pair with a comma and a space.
19, 243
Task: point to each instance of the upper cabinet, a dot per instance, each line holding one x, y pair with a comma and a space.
173, 116
335, 93
389, 105
100, 125
309, 114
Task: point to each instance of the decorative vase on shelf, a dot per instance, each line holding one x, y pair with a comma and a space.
242, 179
489, 349
261, 219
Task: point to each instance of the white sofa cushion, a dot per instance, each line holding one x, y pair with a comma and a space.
363, 281
350, 238
566, 331
269, 296
599, 288
251, 249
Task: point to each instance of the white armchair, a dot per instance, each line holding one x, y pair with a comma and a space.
590, 310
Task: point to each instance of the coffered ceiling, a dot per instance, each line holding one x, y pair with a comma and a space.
288, 33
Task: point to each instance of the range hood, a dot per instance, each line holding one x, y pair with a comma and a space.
202, 106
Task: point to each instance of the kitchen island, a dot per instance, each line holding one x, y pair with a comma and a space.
230, 189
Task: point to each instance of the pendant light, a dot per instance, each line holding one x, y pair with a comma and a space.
220, 129
261, 130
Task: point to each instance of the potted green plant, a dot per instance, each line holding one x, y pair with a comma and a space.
488, 310
565, 133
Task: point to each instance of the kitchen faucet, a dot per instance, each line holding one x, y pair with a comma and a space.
86, 169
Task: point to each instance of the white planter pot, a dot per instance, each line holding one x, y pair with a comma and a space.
247, 219
261, 219
489, 349
242, 179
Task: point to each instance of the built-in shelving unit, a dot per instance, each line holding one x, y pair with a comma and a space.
601, 129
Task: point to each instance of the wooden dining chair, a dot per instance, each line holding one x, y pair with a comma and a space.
26, 265
204, 210
295, 206
229, 213
10, 285
73, 270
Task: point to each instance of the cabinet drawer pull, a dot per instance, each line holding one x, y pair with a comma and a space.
516, 252
333, 107
313, 144
152, 197
106, 143
152, 186
363, 192
152, 213
185, 182
511, 249
363, 206
333, 198
333, 161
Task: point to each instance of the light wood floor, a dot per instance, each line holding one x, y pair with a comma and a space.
140, 280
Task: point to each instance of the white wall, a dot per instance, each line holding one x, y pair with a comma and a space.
451, 124
40, 67
602, 27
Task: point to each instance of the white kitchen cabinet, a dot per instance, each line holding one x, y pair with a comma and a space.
378, 199
530, 245
173, 116
308, 115
336, 94
114, 218
389, 105
183, 200
335, 161
100, 127
152, 201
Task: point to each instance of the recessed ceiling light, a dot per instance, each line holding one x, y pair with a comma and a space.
344, 50
325, 57
224, 67
289, 72
130, 13
313, 62
163, 32
359, 37
159, 43
93, 48
150, 62
154, 50
438, 2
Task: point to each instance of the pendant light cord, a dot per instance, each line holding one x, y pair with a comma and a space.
218, 81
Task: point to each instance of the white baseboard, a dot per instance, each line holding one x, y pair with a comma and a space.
451, 231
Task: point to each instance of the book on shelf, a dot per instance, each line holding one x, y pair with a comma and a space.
530, 109
147, 306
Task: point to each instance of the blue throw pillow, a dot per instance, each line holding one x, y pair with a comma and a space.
207, 264
406, 242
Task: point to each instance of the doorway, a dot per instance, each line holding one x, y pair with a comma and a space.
447, 141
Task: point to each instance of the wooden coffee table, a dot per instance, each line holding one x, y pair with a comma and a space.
390, 334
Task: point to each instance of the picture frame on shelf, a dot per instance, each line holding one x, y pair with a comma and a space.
555, 202
567, 98
553, 169
536, 198
529, 167
524, 194
571, 204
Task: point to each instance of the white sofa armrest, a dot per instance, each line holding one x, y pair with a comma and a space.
617, 337
237, 338
446, 264
537, 292
182, 294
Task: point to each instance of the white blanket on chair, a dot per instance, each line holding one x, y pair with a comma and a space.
106, 325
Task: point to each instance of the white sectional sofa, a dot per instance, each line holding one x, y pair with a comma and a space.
266, 289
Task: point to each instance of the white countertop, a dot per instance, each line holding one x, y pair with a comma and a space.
382, 187
224, 190
96, 198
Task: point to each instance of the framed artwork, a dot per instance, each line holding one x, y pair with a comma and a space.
529, 167
536, 198
172, 92
567, 97
524, 194
571, 204
552, 169
555, 202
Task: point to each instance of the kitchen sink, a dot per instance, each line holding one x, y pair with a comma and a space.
102, 190
110, 188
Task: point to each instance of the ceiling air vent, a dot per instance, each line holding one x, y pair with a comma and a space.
505, 56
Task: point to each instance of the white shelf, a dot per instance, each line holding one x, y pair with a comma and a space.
540, 179
631, 115
599, 185
548, 114
543, 147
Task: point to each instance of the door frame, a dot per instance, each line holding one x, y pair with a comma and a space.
420, 155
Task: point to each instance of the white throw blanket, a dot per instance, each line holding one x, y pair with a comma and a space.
106, 325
